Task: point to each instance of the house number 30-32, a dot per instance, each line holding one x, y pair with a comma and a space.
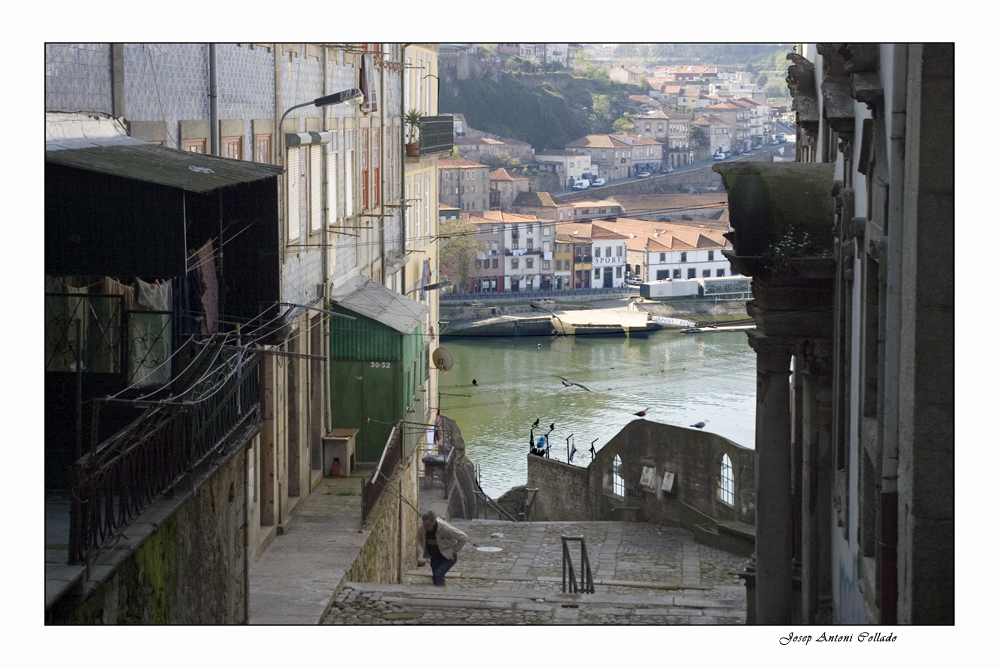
381, 365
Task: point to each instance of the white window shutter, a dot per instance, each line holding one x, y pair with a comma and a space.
349, 184
294, 172
331, 187
315, 188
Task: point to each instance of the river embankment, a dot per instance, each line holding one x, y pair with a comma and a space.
606, 316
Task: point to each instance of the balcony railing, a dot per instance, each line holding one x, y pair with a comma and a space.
126, 473
436, 135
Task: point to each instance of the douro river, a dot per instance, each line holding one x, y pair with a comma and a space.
679, 379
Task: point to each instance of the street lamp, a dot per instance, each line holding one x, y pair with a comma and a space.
352, 96
349, 96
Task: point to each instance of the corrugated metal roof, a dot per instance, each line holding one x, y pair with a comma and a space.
375, 301
150, 163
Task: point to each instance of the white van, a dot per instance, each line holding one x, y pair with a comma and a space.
599, 182
582, 184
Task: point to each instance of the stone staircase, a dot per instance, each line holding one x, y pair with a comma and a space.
511, 573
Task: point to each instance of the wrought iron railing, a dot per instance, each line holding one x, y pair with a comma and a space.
126, 473
392, 455
569, 581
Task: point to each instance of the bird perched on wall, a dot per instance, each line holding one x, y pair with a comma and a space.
642, 413
699, 425
567, 383
536, 423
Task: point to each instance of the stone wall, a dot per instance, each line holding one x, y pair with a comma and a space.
563, 491
192, 567
567, 492
390, 548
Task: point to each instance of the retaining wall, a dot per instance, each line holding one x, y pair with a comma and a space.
189, 567
390, 548
694, 457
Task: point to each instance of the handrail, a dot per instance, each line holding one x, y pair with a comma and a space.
586, 584
502, 514
391, 457
526, 505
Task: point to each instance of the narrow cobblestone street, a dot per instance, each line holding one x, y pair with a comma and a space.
511, 573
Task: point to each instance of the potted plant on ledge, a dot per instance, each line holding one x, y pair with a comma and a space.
412, 120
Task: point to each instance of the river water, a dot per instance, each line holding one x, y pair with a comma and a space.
680, 378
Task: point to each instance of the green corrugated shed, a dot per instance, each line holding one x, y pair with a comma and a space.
375, 363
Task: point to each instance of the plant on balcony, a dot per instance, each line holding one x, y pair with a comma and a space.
412, 121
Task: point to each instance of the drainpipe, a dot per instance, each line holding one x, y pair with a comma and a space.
330, 206
403, 210
889, 496
213, 96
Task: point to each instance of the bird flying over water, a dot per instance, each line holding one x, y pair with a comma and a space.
699, 425
567, 383
642, 413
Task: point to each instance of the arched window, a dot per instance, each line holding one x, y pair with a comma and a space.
618, 483
726, 481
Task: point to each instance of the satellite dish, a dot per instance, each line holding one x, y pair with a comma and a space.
442, 359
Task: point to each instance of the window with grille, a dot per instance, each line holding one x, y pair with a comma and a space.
727, 483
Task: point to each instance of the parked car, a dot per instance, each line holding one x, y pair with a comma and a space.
669, 169
643, 175
598, 183
719, 156
582, 184
633, 281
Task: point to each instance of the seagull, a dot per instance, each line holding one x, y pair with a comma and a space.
567, 383
536, 423
699, 425
539, 346
474, 383
642, 413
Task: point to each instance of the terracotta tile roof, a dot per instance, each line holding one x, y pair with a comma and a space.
597, 141
458, 163
503, 175
591, 202
538, 199
445, 207
505, 217
633, 205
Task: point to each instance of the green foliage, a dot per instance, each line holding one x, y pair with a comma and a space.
623, 125
762, 80
459, 246
698, 136
412, 120
546, 110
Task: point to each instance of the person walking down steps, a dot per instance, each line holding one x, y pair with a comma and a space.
441, 542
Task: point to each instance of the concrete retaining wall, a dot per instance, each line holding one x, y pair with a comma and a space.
192, 567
